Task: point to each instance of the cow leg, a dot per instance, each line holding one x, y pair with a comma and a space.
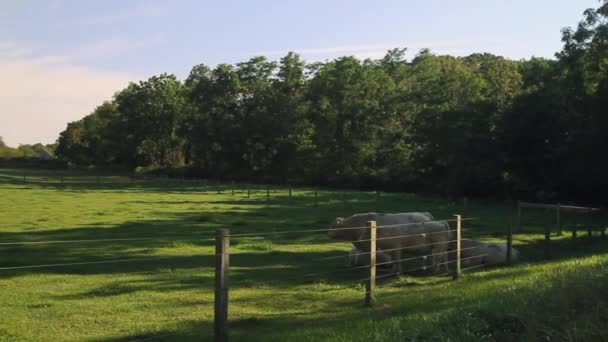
397, 257
444, 260
434, 258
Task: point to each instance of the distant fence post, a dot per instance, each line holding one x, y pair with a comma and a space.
316, 198
290, 193
547, 241
232, 188
61, 179
267, 194
248, 192
457, 270
510, 239
519, 230
222, 256
24, 179
370, 285
558, 221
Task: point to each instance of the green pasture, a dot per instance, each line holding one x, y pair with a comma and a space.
282, 287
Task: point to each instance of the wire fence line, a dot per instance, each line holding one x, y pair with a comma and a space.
365, 240
426, 267
419, 257
379, 264
177, 238
378, 250
387, 238
15, 243
85, 263
349, 228
349, 269
462, 270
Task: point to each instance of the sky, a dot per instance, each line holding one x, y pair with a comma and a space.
59, 59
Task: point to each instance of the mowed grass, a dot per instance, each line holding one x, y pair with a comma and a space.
282, 287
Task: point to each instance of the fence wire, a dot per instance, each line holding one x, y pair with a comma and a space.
177, 238
426, 267
88, 263
348, 228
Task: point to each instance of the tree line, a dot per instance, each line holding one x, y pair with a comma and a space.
477, 125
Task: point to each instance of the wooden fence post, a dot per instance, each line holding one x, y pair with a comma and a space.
24, 179
290, 193
248, 192
316, 198
61, 179
457, 270
558, 221
232, 188
222, 258
574, 228
370, 285
519, 230
510, 239
547, 241
267, 194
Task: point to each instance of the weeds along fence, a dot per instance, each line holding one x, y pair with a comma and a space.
573, 218
422, 247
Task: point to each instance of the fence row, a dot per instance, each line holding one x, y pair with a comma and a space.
554, 217
222, 264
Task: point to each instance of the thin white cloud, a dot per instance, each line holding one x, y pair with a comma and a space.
11, 50
113, 47
376, 51
40, 95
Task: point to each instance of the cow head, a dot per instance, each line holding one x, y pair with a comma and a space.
335, 232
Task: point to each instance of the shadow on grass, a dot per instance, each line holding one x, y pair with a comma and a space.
187, 331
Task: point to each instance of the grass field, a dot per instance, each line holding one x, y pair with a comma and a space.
271, 296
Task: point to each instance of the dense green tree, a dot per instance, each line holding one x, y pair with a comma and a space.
148, 121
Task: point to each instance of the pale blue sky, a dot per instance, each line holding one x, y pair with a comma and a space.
60, 58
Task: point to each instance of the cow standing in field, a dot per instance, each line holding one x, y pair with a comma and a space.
397, 234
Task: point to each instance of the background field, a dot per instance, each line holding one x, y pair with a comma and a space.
272, 296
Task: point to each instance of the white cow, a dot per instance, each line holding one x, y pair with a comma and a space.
475, 253
397, 234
